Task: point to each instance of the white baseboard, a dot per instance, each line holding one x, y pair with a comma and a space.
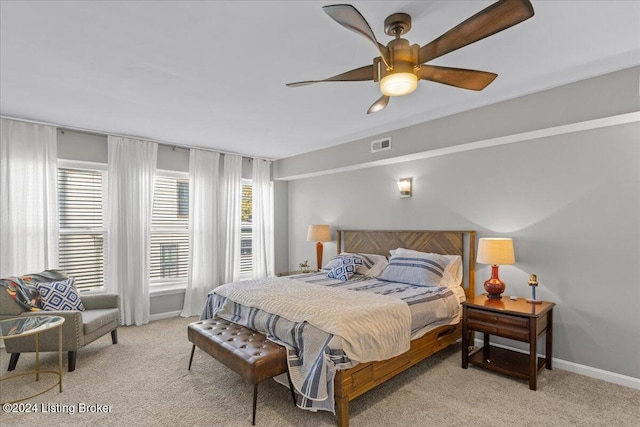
600, 374
166, 315
588, 371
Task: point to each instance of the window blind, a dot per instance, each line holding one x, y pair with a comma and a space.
246, 237
82, 235
170, 230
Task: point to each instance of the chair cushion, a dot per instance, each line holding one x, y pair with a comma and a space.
92, 320
61, 295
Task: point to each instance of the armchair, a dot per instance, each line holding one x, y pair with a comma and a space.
80, 328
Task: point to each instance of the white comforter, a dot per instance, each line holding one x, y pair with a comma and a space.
372, 326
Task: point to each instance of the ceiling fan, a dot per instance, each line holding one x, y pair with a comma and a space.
400, 65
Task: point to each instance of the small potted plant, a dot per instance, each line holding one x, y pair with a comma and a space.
304, 266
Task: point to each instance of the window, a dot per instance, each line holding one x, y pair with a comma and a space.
82, 233
170, 229
246, 236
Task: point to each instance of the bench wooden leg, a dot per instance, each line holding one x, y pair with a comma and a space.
255, 400
191, 359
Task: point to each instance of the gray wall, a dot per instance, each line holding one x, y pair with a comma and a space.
87, 147
570, 201
604, 96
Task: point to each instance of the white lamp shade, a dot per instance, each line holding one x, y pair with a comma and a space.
319, 233
496, 251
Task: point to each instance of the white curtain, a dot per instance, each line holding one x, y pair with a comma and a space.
231, 216
28, 198
132, 166
262, 205
204, 261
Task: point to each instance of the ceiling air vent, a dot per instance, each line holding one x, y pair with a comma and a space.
381, 145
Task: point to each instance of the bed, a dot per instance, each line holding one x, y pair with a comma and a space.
346, 381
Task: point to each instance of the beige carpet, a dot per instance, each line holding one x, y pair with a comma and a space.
145, 382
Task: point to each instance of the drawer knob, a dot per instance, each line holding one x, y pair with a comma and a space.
495, 318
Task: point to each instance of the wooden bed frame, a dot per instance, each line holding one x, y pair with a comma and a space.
353, 382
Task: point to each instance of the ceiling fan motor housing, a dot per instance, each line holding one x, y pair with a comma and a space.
401, 78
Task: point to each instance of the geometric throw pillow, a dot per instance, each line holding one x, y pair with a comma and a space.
372, 264
345, 268
60, 295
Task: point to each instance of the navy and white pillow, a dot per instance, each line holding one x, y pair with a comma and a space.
420, 269
345, 268
61, 295
372, 265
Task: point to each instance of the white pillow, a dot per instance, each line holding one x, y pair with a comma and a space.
377, 264
452, 275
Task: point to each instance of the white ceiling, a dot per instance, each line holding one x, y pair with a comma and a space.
212, 74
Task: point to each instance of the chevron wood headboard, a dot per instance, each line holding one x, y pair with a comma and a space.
444, 242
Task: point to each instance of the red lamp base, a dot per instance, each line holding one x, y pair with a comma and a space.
319, 255
494, 286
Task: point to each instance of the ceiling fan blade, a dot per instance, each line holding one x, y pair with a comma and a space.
359, 74
493, 19
349, 17
458, 77
379, 104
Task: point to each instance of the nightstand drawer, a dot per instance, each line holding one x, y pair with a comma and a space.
507, 326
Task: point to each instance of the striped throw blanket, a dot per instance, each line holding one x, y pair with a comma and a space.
312, 321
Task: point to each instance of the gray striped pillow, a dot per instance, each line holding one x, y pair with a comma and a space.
415, 269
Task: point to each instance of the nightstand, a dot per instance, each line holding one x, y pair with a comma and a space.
291, 273
514, 319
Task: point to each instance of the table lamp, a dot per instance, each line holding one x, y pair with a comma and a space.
495, 251
319, 233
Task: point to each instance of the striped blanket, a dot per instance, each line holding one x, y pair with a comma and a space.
318, 343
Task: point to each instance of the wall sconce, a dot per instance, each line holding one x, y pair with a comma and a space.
404, 185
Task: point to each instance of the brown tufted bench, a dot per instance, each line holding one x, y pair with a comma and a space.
241, 349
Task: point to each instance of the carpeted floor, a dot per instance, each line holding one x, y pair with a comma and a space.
144, 381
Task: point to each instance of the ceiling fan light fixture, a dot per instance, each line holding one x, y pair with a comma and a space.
398, 84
